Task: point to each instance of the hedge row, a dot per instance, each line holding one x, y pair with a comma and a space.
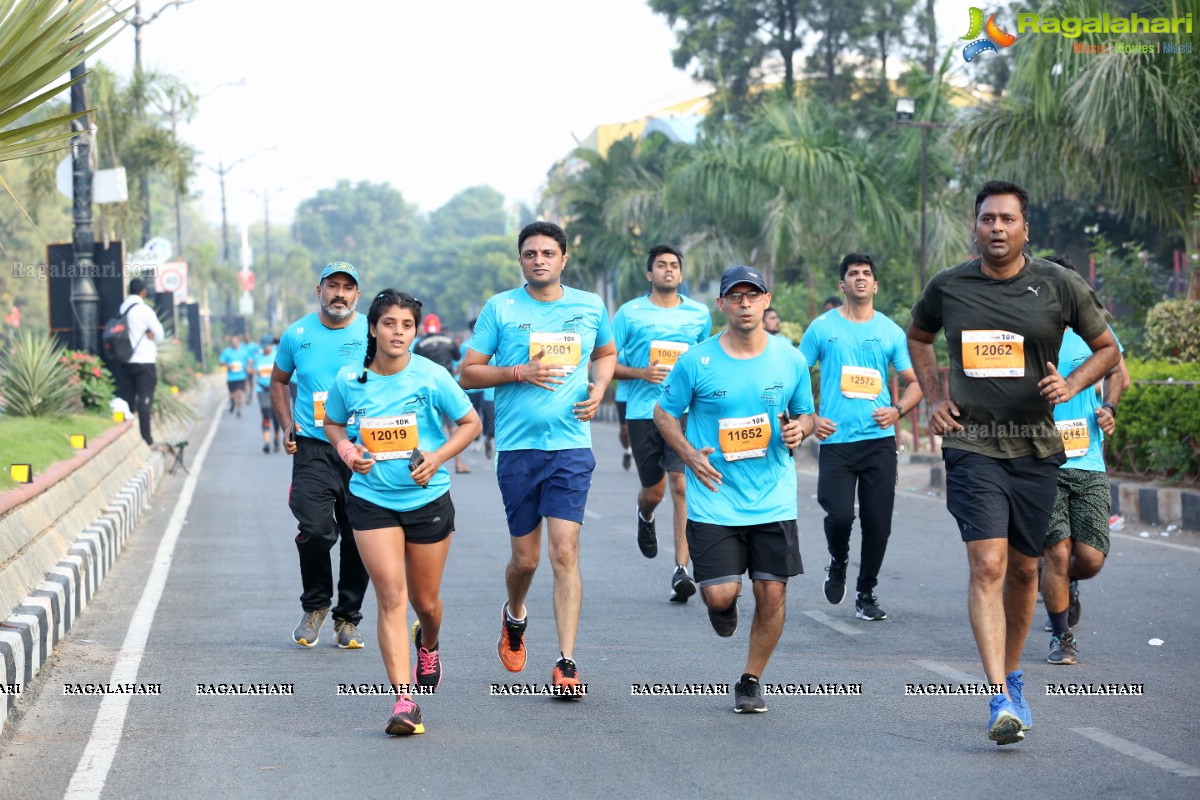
1158, 424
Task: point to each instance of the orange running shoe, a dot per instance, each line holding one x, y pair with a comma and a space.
565, 679
511, 647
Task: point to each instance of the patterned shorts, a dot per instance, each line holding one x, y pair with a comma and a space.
1082, 505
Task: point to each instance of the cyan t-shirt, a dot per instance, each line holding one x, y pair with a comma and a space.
513, 327
854, 359
641, 330
733, 406
234, 360
1078, 414
263, 362
394, 414
315, 354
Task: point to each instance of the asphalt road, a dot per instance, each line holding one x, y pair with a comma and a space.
230, 601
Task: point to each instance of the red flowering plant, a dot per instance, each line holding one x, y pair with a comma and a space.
91, 378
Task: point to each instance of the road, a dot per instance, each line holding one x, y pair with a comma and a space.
229, 600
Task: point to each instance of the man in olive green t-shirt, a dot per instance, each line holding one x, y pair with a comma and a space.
1003, 314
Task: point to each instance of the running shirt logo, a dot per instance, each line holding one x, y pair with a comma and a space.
993, 354
1075, 436
389, 438
744, 437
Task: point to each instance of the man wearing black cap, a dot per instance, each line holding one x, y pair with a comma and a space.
316, 347
749, 401
140, 375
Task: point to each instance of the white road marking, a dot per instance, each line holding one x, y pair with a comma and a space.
947, 671
92, 770
1128, 748
829, 621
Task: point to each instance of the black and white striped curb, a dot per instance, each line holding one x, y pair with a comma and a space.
43, 618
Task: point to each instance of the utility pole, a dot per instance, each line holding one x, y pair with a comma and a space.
85, 300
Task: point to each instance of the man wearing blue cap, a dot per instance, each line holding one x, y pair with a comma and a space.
749, 401
315, 348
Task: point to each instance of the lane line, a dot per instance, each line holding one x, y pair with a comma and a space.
1153, 539
1151, 757
829, 621
947, 671
92, 771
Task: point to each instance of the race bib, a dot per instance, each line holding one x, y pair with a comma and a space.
563, 350
993, 354
233, 366
389, 438
861, 383
319, 408
1075, 436
666, 352
265, 371
744, 437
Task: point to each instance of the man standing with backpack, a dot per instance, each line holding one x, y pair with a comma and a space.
139, 375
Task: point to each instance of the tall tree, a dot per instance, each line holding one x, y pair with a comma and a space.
474, 212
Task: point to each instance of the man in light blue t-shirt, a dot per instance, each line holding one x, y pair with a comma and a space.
233, 359
1077, 540
314, 349
541, 340
749, 401
854, 345
651, 333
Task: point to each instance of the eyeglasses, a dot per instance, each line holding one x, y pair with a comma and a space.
737, 297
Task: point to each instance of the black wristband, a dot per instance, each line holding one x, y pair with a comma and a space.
1111, 408
898, 408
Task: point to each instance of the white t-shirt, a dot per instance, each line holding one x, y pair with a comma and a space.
142, 318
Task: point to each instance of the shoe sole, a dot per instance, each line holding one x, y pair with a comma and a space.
1006, 729
569, 697
353, 644
749, 710
682, 591
404, 728
502, 642
1062, 662
304, 642
869, 618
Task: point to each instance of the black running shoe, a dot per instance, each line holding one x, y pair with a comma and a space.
1074, 609
747, 696
682, 585
724, 622
867, 607
627, 460
647, 539
835, 582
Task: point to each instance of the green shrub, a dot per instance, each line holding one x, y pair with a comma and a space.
1173, 331
33, 381
91, 378
176, 366
1158, 423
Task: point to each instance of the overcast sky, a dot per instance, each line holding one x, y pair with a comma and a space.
429, 97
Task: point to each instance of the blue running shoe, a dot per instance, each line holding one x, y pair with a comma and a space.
1016, 691
1004, 727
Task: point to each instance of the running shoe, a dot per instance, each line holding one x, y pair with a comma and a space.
835, 582
309, 629
1004, 726
866, 606
682, 585
511, 646
747, 696
276, 448
406, 719
647, 539
1016, 693
627, 460
1063, 649
565, 679
1074, 609
489, 448
348, 637
428, 669
1049, 626
266, 448
724, 622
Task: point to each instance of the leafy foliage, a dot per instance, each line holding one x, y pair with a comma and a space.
91, 379
1173, 331
34, 381
1158, 431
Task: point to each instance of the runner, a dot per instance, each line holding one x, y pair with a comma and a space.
234, 360
543, 335
1077, 540
316, 347
620, 396
771, 321
399, 501
854, 345
261, 368
484, 402
651, 332
439, 348
1003, 315
741, 388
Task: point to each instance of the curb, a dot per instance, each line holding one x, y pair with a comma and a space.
43, 618
1155, 505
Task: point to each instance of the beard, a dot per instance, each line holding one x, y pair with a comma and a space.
337, 314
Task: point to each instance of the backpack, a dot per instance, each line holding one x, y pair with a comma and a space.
438, 348
115, 340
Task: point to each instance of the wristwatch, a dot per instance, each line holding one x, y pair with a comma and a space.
1112, 409
899, 410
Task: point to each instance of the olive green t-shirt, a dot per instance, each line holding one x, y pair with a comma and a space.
1001, 334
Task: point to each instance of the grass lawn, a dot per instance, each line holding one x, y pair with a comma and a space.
41, 441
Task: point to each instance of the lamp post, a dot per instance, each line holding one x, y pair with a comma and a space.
906, 109
85, 300
222, 171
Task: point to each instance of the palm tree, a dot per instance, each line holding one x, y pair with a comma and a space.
40, 41
1122, 129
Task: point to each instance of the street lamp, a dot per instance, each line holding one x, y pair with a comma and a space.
222, 171
906, 111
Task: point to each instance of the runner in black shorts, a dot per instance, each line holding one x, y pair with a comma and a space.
623, 433
1003, 314
750, 400
399, 503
